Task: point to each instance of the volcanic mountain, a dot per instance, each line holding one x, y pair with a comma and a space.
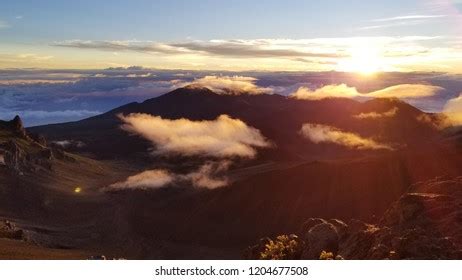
295, 179
279, 118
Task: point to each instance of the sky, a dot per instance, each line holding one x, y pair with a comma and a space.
68, 60
236, 35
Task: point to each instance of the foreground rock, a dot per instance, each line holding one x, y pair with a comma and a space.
425, 223
21, 152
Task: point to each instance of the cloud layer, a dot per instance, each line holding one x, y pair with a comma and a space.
402, 91
43, 96
220, 138
318, 133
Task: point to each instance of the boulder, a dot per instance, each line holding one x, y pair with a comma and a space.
321, 237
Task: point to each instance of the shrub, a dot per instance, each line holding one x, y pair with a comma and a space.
284, 247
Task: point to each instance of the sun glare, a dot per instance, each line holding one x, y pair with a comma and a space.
364, 60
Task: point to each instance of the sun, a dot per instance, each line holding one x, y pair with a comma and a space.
363, 60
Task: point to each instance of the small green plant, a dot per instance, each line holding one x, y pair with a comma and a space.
284, 247
326, 256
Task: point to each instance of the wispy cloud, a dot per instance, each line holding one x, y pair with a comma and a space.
409, 17
137, 46
150, 179
403, 91
233, 85
407, 20
318, 133
210, 175
376, 115
401, 53
392, 24
225, 48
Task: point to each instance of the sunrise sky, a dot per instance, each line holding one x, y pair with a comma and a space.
292, 35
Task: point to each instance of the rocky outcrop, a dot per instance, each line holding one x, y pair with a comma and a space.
20, 160
425, 223
322, 236
12, 156
18, 127
10, 231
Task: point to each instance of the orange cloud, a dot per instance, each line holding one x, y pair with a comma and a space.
453, 111
211, 175
231, 85
345, 91
151, 179
374, 115
318, 133
223, 137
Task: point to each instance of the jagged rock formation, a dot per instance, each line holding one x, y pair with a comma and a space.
425, 223
9, 230
18, 127
19, 151
12, 155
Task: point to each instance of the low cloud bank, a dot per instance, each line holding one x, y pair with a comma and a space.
224, 139
318, 133
231, 85
375, 115
151, 179
211, 175
453, 111
220, 138
345, 91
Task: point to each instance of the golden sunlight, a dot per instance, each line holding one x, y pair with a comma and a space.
364, 60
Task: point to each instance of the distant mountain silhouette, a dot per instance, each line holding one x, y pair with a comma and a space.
279, 118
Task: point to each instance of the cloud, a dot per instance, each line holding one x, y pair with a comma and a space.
375, 115
51, 96
224, 139
318, 133
224, 48
220, 138
402, 21
231, 85
137, 46
150, 179
330, 91
68, 143
210, 176
407, 91
453, 111
251, 48
409, 17
402, 91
